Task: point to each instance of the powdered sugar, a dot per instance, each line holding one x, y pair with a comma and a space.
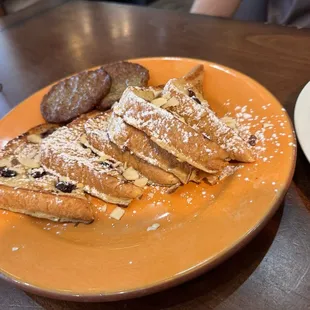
204, 120
167, 131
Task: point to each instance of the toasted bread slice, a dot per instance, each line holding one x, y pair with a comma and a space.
98, 139
63, 154
25, 187
126, 136
169, 132
200, 117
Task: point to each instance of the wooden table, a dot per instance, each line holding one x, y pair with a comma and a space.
40, 46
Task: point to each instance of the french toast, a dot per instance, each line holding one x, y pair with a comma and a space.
25, 187
63, 154
139, 143
163, 135
126, 136
96, 130
192, 108
169, 132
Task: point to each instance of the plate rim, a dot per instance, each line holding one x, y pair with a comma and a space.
196, 270
297, 112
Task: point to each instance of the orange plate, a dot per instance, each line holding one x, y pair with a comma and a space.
200, 225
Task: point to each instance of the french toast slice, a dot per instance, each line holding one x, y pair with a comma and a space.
126, 136
63, 154
96, 130
168, 131
25, 187
192, 108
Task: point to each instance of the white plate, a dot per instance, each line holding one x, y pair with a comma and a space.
302, 119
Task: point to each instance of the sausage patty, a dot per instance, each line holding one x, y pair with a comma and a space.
123, 74
75, 95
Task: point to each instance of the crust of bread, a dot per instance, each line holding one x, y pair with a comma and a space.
169, 132
195, 77
97, 136
62, 154
201, 118
55, 207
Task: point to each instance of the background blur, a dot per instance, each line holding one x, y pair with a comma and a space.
8, 7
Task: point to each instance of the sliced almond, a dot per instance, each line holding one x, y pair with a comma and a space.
146, 94
117, 213
159, 102
5, 162
229, 121
34, 139
172, 102
83, 139
141, 182
157, 92
29, 162
131, 174
182, 119
103, 158
153, 227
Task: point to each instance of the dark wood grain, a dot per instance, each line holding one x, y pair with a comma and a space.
29, 12
273, 271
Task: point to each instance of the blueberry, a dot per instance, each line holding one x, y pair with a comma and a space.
106, 165
193, 95
65, 187
252, 140
7, 173
37, 173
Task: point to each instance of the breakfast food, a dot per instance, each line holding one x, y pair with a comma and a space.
98, 140
25, 187
123, 74
163, 135
142, 146
63, 154
169, 132
75, 95
200, 117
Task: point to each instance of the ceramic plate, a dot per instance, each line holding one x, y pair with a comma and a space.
200, 225
302, 120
